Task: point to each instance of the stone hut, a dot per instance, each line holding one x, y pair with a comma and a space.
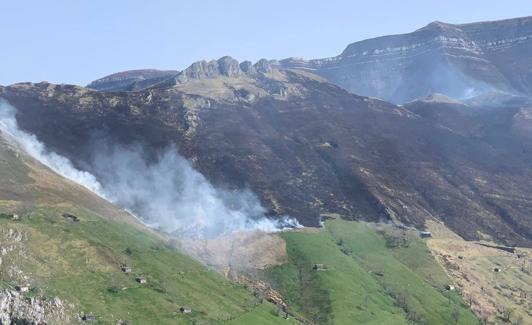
140, 279
319, 267
449, 287
70, 217
20, 288
425, 234
185, 310
88, 318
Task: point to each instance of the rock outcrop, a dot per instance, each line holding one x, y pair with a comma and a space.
15, 308
226, 67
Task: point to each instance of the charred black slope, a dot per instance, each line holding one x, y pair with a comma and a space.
304, 146
457, 60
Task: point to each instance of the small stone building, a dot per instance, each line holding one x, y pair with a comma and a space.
449, 287
20, 288
319, 267
185, 310
140, 279
425, 234
125, 269
70, 217
88, 318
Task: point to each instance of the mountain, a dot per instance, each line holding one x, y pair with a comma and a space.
131, 80
307, 147
72, 267
460, 61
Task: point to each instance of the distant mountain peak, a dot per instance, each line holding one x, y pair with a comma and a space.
440, 57
131, 79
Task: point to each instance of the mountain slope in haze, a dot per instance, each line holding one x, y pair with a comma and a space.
304, 146
459, 61
71, 269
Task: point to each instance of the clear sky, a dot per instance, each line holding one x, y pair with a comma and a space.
76, 41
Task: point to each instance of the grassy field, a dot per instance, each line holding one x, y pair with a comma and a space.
366, 279
80, 262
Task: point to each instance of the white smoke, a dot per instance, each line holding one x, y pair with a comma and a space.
167, 194
36, 149
171, 195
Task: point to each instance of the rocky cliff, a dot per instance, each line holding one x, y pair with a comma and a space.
460, 61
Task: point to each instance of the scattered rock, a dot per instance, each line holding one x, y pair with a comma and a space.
17, 309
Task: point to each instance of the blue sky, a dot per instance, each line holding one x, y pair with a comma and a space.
75, 41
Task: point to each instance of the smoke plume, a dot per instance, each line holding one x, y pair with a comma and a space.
31, 145
167, 194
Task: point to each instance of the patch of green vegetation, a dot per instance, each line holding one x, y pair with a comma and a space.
365, 280
80, 262
11, 170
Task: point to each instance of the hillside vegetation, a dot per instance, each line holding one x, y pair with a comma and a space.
370, 274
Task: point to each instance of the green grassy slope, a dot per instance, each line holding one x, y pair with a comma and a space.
80, 261
366, 280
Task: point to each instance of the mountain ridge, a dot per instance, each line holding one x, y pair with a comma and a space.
458, 60
307, 147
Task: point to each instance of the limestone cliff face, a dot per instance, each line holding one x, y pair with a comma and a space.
457, 60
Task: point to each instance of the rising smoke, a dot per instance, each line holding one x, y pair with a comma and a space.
36, 149
167, 194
